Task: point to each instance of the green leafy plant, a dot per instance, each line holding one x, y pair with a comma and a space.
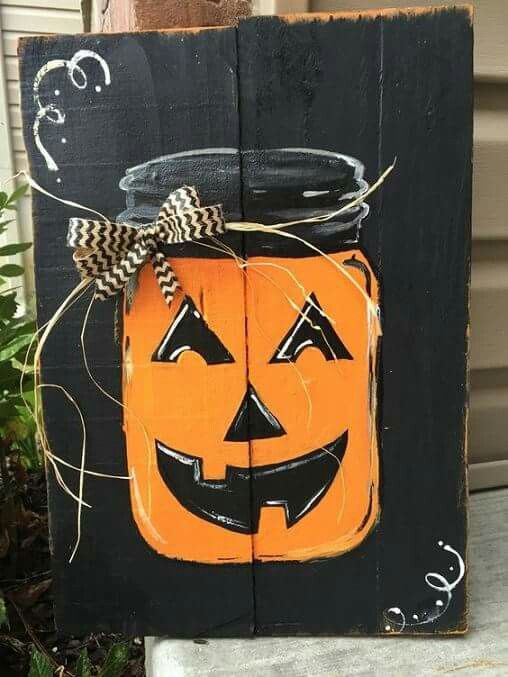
114, 665
40, 665
116, 661
4, 618
83, 666
19, 454
17, 431
18, 449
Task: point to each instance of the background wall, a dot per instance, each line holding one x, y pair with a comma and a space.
488, 446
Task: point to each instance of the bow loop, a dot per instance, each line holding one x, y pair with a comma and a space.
180, 200
182, 219
111, 253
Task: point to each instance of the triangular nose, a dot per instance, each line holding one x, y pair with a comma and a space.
253, 420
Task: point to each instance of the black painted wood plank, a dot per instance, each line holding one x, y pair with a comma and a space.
314, 84
169, 92
425, 233
378, 86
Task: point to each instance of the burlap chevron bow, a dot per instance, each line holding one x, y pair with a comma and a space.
111, 253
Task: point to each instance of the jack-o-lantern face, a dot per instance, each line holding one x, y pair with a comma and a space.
250, 408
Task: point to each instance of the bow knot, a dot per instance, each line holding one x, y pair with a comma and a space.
148, 236
111, 253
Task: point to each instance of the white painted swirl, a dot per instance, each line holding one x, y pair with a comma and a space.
396, 620
50, 112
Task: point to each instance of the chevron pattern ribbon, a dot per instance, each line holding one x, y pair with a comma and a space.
111, 253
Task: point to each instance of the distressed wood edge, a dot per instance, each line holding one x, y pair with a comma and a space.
24, 42
324, 17
385, 13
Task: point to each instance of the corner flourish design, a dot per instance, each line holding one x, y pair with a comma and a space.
394, 618
50, 112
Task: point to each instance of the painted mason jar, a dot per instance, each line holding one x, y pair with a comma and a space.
250, 402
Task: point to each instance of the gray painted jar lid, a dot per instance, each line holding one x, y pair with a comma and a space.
276, 185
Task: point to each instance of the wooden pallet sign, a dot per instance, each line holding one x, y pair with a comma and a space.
274, 388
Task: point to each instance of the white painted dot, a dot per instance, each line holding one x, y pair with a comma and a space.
388, 628
439, 602
415, 616
450, 568
98, 88
59, 180
440, 543
57, 92
64, 140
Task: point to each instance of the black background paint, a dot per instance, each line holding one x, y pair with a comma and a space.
373, 88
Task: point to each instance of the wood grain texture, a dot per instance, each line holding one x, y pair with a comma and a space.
135, 15
483, 651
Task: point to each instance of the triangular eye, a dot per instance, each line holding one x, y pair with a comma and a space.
312, 328
189, 331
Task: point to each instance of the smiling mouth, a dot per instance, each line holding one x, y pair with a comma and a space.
235, 502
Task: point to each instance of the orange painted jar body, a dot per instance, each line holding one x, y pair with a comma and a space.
250, 402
